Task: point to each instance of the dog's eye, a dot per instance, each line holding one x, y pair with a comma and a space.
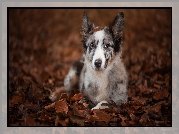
92, 45
106, 46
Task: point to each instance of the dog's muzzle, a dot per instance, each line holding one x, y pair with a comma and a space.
98, 63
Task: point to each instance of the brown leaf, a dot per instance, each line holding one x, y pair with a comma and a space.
165, 93
77, 120
136, 107
50, 106
56, 121
145, 84
156, 108
144, 119
123, 122
138, 101
44, 76
64, 122
133, 117
61, 106
158, 95
142, 88
91, 118
64, 96
157, 86
139, 81
113, 110
100, 123
45, 118
70, 113
25, 68
155, 78
101, 115
77, 97
79, 109
16, 100
29, 121
143, 101
24, 84
80, 113
160, 82
167, 80
33, 73
135, 77
114, 121
131, 123
154, 115
35, 92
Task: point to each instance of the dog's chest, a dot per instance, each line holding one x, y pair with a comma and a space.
94, 85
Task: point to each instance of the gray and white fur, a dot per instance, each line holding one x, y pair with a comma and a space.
100, 73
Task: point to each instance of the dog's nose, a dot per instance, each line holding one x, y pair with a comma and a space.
98, 63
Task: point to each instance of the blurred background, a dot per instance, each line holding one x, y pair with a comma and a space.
43, 43
52, 36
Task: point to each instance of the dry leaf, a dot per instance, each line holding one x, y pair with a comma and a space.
77, 97
61, 106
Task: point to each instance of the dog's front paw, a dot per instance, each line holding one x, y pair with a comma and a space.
101, 105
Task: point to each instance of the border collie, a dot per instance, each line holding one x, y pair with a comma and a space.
100, 73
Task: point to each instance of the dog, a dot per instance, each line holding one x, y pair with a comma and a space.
100, 73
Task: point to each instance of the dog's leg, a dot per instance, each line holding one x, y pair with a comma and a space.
70, 81
72, 78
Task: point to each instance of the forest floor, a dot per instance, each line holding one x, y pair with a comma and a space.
43, 44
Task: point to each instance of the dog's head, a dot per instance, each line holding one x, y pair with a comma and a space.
102, 44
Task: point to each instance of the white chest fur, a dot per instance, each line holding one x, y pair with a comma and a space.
95, 84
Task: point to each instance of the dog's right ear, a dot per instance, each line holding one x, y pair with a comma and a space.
87, 26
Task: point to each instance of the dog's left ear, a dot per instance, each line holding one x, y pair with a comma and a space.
116, 29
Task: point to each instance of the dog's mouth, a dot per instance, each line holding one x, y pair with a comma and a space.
98, 69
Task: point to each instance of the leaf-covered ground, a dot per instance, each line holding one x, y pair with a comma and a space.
43, 44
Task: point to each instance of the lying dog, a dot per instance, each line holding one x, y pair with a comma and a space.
100, 73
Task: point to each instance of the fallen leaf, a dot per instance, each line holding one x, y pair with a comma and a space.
29, 121
52, 105
144, 119
101, 115
77, 97
16, 100
156, 108
64, 122
115, 121
77, 120
133, 117
45, 118
64, 96
61, 106
43, 76
167, 80
157, 86
158, 95
165, 93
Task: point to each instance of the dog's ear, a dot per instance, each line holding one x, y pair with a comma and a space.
116, 29
87, 26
